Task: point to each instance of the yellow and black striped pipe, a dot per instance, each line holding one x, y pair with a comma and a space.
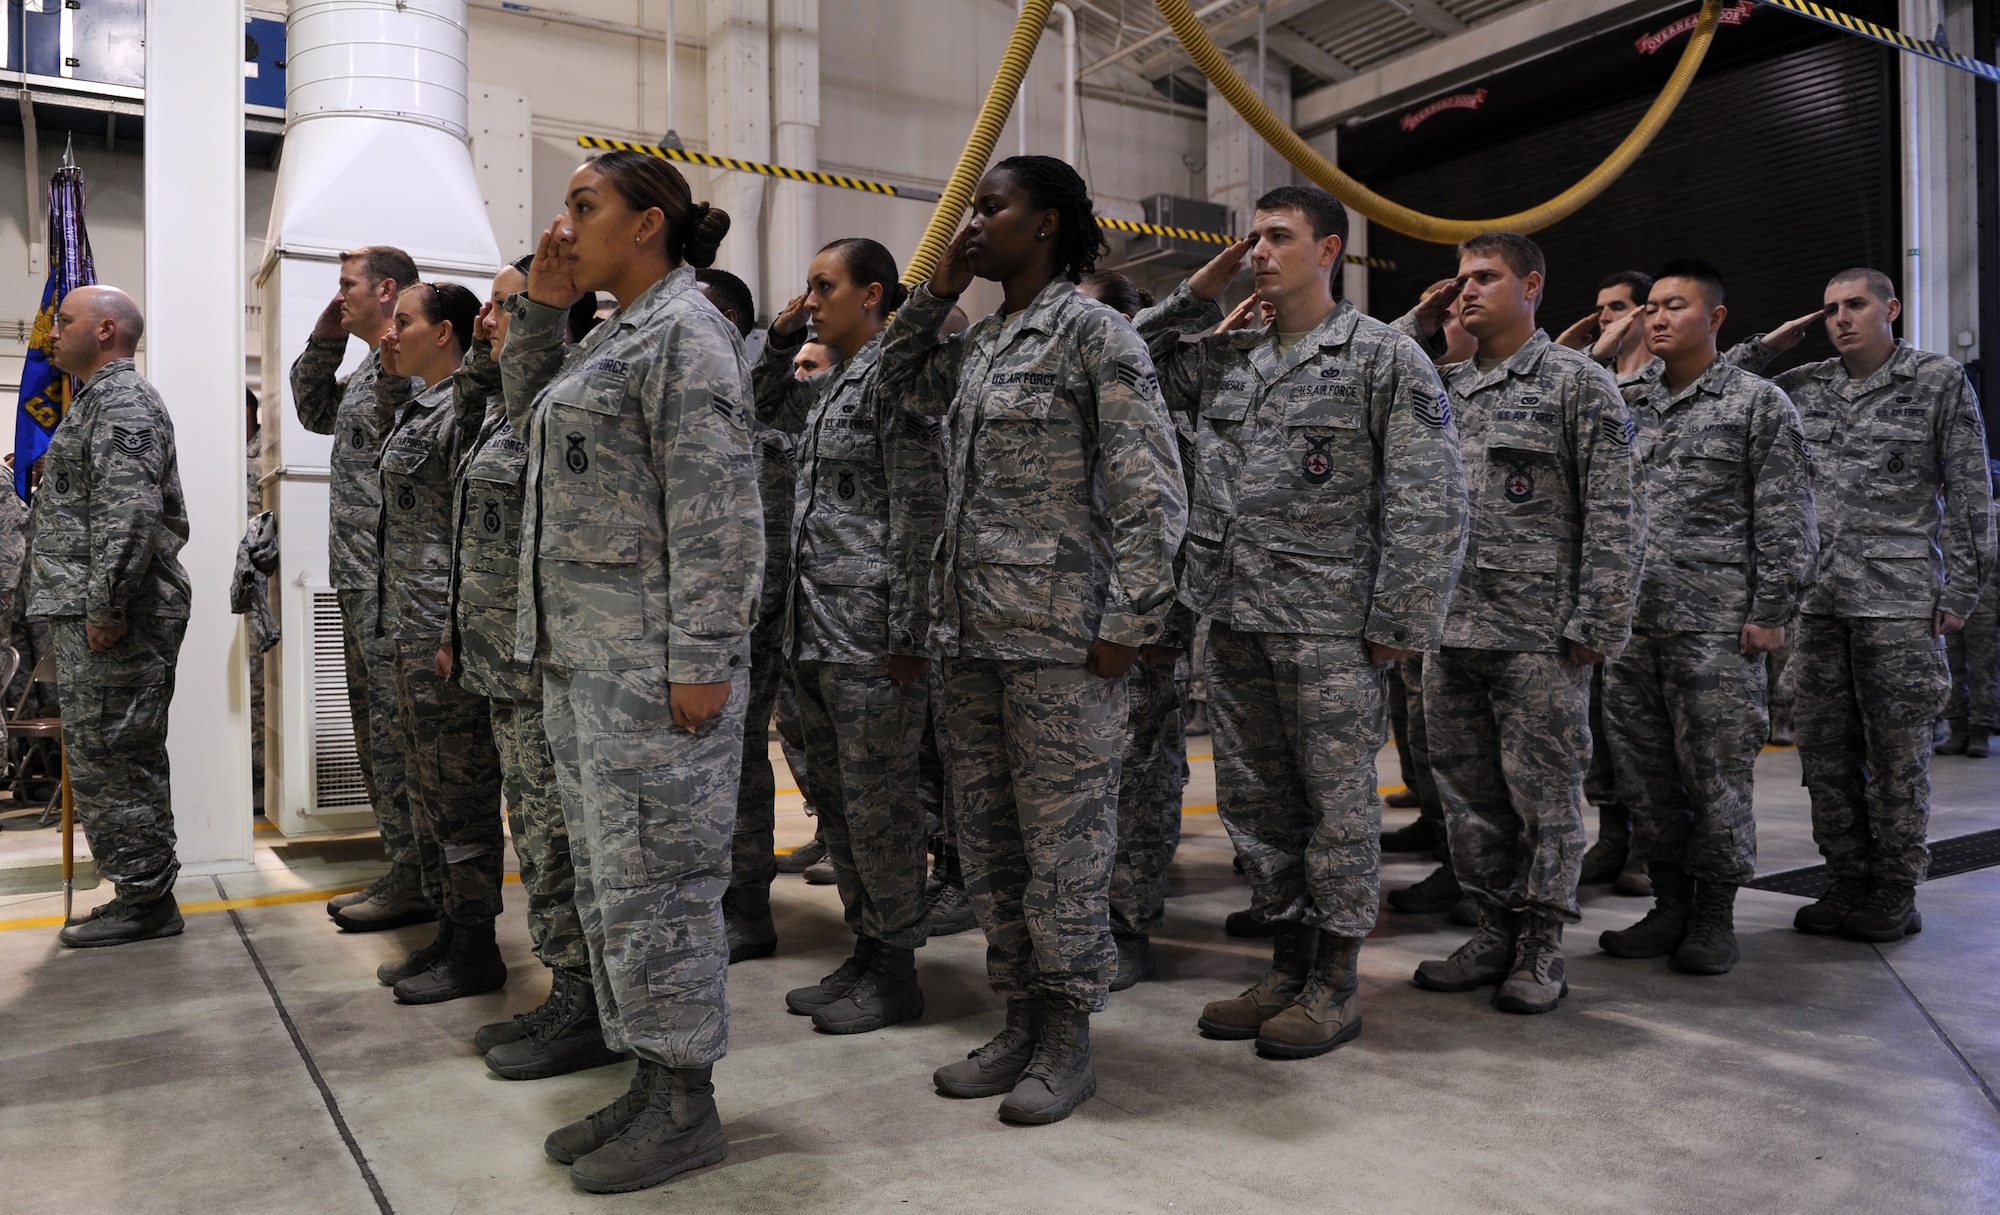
1887, 37
814, 176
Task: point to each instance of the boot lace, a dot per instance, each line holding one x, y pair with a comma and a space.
1488, 938
1538, 955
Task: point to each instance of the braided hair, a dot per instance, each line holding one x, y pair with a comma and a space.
1053, 186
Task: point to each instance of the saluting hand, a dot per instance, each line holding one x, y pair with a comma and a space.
551, 283
953, 274
1211, 280
328, 324
487, 323
1580, 335
791, 319
1792, 332
1436, 306
1246, 315
1617, 335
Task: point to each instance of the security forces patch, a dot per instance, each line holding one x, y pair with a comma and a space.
1318, 464
846, 487
133, 442
1896, 462
1520, 483
575, 458
490, 517
406, 498
62, 480
357, 440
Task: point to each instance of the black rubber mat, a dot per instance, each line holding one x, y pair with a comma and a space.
1960, 854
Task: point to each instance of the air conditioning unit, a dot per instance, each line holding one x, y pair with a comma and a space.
1172, 211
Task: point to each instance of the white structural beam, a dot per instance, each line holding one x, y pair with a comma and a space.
792, 235
739, 125
1521, 35
194, 356
1227, 33
1927, 230
1308, 55
1430, 14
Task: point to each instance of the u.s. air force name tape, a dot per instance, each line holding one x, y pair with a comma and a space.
1887, 37
844, 182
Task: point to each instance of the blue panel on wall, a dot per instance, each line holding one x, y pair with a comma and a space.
264, 45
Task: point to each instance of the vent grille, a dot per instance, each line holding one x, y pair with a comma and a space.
336, 765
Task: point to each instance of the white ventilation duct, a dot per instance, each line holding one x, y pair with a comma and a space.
374, 154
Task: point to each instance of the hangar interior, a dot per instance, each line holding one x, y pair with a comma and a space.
257, 1066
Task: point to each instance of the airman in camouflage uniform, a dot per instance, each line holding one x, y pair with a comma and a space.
562, 1033
641, 543
453, 768
1151, 779
1731, 541
871, 492
345, 409
1064, 506
1899, 470
1550, 573
1973, 652
1327, 520
108, 523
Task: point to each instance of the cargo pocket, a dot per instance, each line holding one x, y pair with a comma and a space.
601, 584
1014, 577
643, 802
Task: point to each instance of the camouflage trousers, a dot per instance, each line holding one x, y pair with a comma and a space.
372, 704
1974, 655
1431, 806
1600, 779
1297, 720
115, 739
1510, 742
452, 775
541, 837
1685, 716
1869, 694
864, 736
1784, 679
1035, 750
1150, 782
753, 860
651, 809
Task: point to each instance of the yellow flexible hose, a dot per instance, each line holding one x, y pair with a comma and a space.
985, 129
1279, 134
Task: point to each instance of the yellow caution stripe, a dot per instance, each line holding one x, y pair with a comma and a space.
1887, 37
840, 181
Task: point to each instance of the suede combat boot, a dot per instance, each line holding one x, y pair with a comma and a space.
675, 1131
1889, 914
399, 878
885, 994
1058, 1078
798, 860
1437, 892
520, 1025
393, 905
471, 965
1293, 949
805, 1001
1605, 859
1826, 915
1710, 947
1481, 961
995, 1067
1659, 932
1135, 959
388, 974
1326, 1012
746, 914
121, 923
567, 1038
951, 910
566, 1144
1535, 982
1426, 834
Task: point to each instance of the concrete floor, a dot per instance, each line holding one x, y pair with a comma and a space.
1821, 1076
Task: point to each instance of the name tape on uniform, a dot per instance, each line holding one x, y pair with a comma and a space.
843, 182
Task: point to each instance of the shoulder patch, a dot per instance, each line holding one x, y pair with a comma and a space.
1433, 413
1797, 438
1138, 379
132, 440
920, 428
1619, 430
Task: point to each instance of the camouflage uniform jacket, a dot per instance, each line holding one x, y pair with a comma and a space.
13, 542
1899, 462
418, 464
486, 553
1064, 500
346, 410
1327, 492
1558, 519
108, 517
641, 532
870, 500
1730, 535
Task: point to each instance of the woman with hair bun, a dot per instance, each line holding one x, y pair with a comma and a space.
642, 540
452, 768
869, 497
1055, 565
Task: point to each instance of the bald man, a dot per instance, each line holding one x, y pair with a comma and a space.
108, 522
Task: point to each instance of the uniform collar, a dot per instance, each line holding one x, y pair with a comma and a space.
1709, 382
1901, 365
862, 363
650, 303
1333, 331
114, 367
1523, 362
1041, 313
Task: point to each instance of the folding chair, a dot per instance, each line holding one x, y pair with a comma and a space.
41, 739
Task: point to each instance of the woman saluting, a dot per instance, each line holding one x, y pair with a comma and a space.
642, 542
1063, 508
